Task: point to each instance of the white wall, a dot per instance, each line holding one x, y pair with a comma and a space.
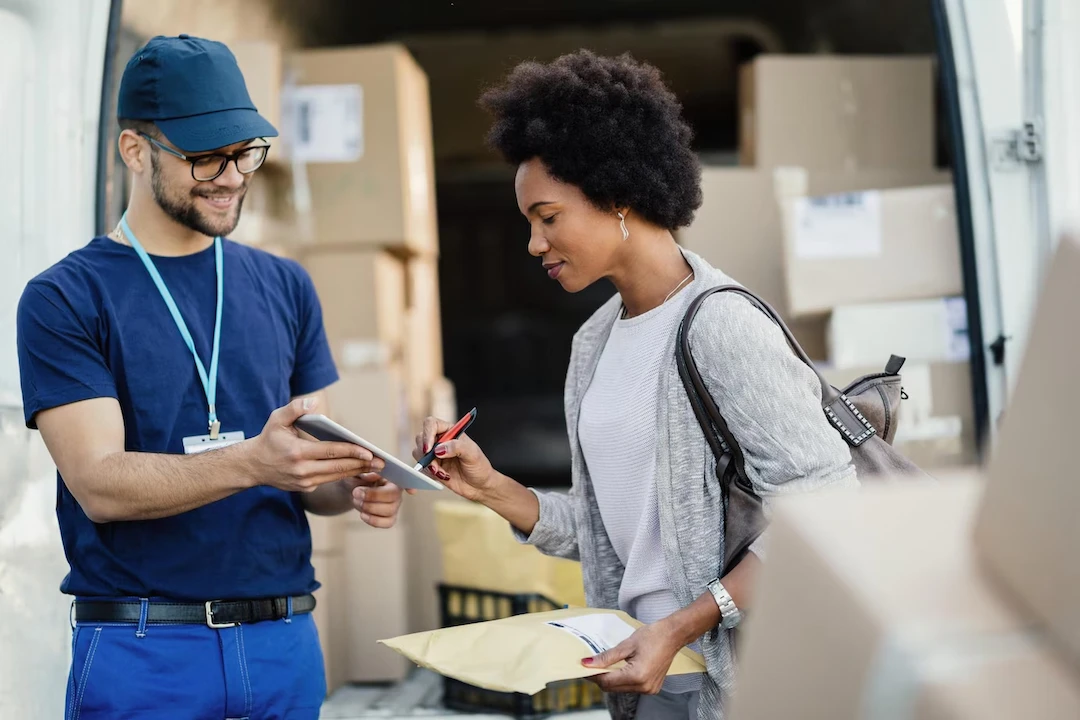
51, 61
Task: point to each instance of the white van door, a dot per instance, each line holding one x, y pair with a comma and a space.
52, 55
1013, 106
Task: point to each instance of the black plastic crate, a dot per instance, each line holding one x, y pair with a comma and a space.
461, 606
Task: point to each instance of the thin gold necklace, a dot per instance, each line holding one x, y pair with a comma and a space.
673, 291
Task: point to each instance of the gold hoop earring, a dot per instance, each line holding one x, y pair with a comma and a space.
622, 225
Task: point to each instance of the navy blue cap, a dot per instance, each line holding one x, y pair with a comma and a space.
193, 90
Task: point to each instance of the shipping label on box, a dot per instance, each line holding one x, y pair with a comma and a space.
845, 225
326, 123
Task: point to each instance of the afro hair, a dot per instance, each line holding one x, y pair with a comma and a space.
606, 125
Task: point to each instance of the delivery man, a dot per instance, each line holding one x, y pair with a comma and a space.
164, 367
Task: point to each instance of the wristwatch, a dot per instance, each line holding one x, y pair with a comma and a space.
730, 615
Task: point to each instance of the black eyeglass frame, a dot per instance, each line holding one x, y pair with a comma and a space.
225, 158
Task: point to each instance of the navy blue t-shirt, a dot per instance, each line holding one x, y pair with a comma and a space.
94, 325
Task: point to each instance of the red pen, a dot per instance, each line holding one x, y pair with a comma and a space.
459, 427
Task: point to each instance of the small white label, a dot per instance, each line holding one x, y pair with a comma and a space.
957, 341
327, 123
845, 225
599, 632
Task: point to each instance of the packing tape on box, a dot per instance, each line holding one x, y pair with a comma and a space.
915, 657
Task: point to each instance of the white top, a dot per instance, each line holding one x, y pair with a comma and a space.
617, 430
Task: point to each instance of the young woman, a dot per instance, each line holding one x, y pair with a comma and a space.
605, 173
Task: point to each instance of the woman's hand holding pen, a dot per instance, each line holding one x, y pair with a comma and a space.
459, 464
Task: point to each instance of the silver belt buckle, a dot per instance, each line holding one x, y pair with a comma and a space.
210, 618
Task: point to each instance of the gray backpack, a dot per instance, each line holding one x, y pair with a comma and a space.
864, 413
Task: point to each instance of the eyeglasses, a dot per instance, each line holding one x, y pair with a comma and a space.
205, 168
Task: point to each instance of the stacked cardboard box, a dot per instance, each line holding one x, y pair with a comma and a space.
1027, 531
840, 220
360, 124
358, 128
739, 229
830, 112
332, 613
955, 600
363, 296
869, 246
872, 605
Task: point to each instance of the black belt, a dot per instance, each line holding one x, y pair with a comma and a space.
216, 614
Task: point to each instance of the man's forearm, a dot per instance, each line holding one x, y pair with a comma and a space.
330, 499
146, 486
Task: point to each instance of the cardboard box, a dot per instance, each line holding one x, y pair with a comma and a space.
371, 403
863, 594
268, 219
871, 246
423, 334
444, 399
1019, 680
1027, 531
739, 229
361, 123
331, 616
262, 64
377, 591
364, 298
936, 428
424, 557
327, 532
837, 112
919, 330
418, 517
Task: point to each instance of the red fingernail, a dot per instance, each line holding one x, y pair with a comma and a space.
442, 475
587, 661
440, 451
426, 448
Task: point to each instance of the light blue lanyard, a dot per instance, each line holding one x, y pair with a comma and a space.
209, 382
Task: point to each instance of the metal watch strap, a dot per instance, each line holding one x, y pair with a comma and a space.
730, 615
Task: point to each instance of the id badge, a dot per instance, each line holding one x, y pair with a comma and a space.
201, 443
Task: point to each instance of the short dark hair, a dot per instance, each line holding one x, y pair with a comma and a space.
141, 126
607, 125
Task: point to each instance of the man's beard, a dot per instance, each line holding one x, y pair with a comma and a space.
185, 212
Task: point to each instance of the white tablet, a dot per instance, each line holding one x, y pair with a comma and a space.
401, 474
